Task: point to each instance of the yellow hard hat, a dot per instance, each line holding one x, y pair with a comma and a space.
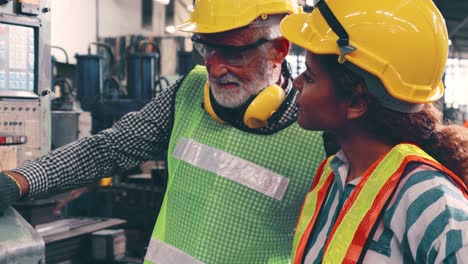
402, 43
213, 16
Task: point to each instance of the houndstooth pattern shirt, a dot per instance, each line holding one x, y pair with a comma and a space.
134, 139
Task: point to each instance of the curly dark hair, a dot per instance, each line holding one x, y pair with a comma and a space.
447, 143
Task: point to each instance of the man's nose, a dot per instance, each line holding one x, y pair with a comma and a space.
216, 66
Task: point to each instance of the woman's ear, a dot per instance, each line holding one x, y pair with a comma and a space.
358, 102
281, 47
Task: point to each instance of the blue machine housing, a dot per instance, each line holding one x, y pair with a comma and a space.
140, 76
89, 79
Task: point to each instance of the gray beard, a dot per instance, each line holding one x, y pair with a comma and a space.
235, 97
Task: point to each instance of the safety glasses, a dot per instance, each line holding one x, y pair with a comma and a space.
232, 55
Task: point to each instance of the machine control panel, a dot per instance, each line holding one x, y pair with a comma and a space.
19, 126
29, 7
24, 112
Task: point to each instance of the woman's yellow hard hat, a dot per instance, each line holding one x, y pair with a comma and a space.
403, 43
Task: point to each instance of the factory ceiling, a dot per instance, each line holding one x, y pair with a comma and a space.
455, 13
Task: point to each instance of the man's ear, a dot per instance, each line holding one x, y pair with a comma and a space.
358, 103
281, 46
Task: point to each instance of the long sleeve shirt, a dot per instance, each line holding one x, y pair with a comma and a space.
134, 139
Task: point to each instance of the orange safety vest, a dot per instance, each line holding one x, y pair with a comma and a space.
363, 207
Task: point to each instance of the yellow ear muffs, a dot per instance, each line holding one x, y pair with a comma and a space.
207, 104
265, 104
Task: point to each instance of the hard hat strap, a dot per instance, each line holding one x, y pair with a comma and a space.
335, 25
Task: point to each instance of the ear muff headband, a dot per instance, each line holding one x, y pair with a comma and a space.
207, 104
262, 107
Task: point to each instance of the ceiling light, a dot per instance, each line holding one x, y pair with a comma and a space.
310, 2
170, 29
164, 2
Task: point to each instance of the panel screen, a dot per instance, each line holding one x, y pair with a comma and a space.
17, 58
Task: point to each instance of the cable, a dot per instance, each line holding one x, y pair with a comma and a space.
63, 50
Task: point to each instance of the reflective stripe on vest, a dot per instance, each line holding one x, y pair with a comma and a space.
363, 207
161, 253
308, 215
231, 167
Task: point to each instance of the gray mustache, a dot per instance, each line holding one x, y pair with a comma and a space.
225, 79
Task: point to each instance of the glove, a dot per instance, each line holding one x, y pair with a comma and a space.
9, 191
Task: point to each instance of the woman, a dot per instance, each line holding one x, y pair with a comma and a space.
395, 192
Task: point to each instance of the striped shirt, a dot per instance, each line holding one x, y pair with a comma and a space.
425, 221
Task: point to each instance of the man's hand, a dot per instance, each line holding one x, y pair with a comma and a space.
9, 190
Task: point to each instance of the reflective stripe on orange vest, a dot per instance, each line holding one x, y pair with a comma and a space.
308, 215
362, 209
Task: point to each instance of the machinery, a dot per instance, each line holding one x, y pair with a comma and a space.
25, 134
19, 241
102, 92
24, 100
24, 112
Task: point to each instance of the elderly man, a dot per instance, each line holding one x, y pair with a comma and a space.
239, 166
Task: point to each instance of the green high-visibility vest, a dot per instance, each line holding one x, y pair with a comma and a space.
232, 196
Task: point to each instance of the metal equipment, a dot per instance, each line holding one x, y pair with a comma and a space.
104, 96
61, 120
62, 85
89, 79
108, 245
25, 134
24, 111
70, 239
19, 242
141, 72
24, 105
